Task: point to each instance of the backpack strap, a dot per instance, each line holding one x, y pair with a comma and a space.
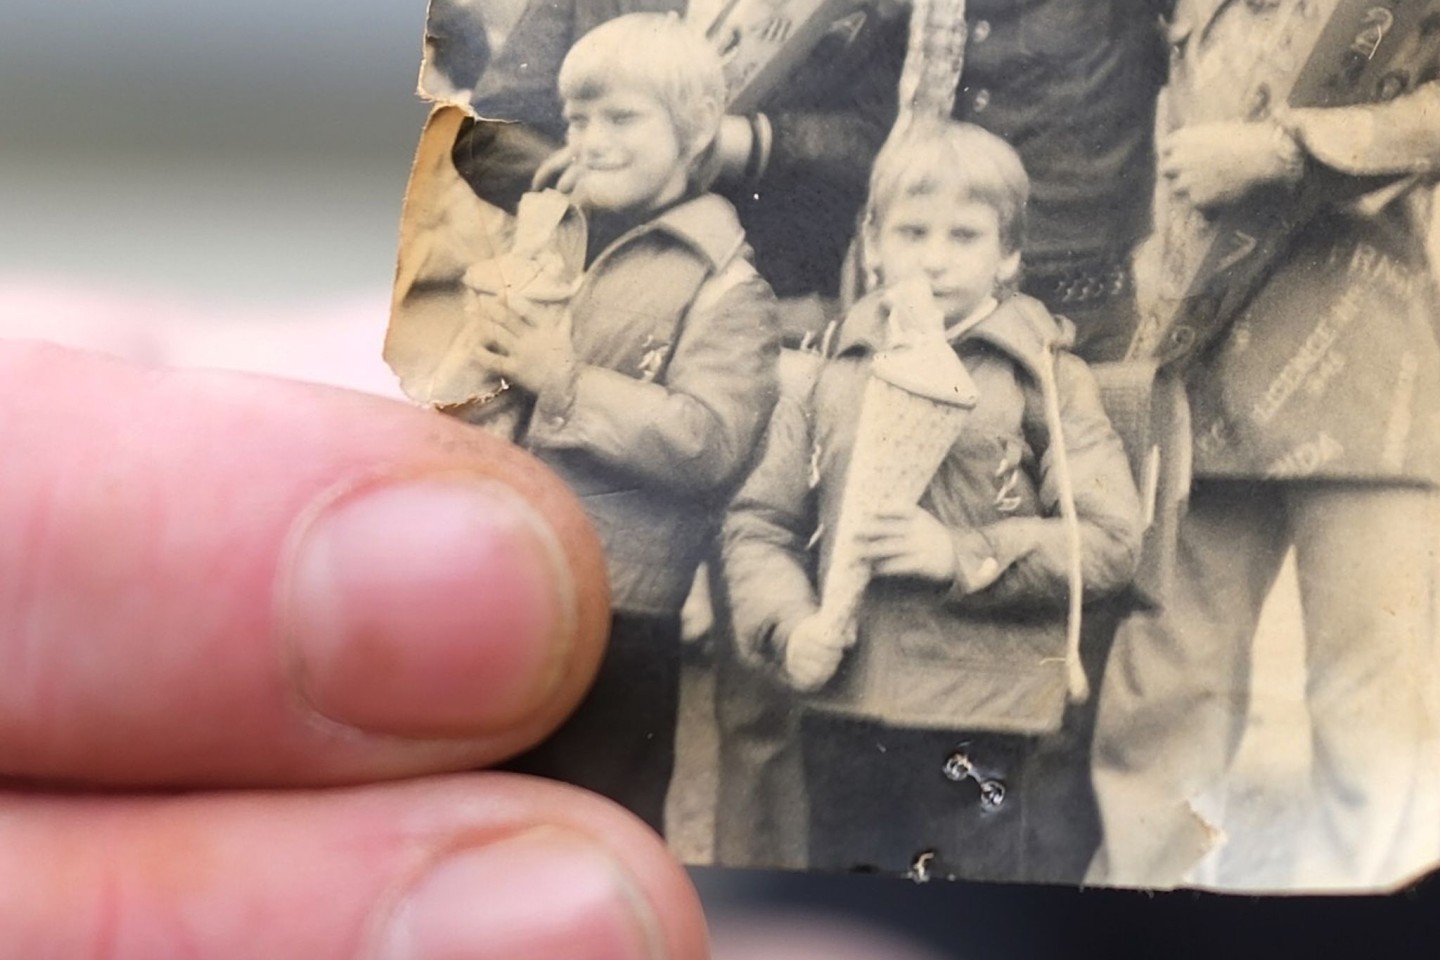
703, 288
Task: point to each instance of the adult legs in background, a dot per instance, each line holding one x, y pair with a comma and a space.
1366, 561
1174, 700
1062, 824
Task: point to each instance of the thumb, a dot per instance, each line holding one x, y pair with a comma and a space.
476, 867
214, 579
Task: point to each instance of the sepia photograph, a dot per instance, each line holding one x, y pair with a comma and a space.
1012, 426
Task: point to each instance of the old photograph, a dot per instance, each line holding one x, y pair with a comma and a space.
1013, 426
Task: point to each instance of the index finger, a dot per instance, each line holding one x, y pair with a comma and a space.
553, 169
208, 578
880, 528
896, 514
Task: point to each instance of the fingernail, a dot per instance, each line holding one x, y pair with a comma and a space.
429, 608
539, 896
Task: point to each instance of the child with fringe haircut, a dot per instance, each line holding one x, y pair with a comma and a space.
651, 400
916, 730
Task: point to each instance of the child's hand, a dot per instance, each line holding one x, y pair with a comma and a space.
564, 171
530, 346
813, 652
1217, 163
560, 171
908, 543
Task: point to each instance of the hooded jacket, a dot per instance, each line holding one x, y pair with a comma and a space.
676, 342
944, 655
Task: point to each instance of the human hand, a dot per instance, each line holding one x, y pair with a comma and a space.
560, 171
563, 170
530, 345
908, 542
1217, 163
253, 598
813, 652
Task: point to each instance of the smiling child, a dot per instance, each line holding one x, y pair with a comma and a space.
651, 400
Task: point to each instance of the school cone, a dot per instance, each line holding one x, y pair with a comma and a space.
913, 409
541, 271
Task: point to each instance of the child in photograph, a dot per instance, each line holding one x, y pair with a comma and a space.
651, 401
915, 741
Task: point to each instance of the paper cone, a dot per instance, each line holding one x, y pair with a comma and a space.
540, 271
912, 412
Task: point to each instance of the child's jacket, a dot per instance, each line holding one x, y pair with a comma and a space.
675, 337
932, 655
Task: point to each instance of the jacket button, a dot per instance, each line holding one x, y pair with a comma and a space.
982, 99
980, 32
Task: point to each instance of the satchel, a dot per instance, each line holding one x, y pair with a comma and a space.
1149, 410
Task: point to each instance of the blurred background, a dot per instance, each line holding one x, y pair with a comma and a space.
224, 182
251, 152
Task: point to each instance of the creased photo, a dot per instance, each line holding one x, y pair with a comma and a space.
1013, 425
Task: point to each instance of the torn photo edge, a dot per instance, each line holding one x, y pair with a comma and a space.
1236, 823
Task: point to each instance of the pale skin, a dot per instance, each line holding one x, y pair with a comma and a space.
529, 348
953, 242
1210, 165
907, 543
188, 601
733, 141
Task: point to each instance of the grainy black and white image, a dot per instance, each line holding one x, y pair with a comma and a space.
1013, 425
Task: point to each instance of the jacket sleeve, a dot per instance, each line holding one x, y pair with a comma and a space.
1400, 136
767, 566
695, 432
1028, 557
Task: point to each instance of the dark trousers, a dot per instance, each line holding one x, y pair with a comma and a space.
620, 742
1098, 298
879, 794
881, 801
760, 818
1062, 829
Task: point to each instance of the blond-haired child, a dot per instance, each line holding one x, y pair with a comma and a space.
916, 743
651, 401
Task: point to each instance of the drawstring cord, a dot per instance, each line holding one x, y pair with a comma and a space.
1077, 683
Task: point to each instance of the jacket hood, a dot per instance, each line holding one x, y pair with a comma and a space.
1020, 326
707, 224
